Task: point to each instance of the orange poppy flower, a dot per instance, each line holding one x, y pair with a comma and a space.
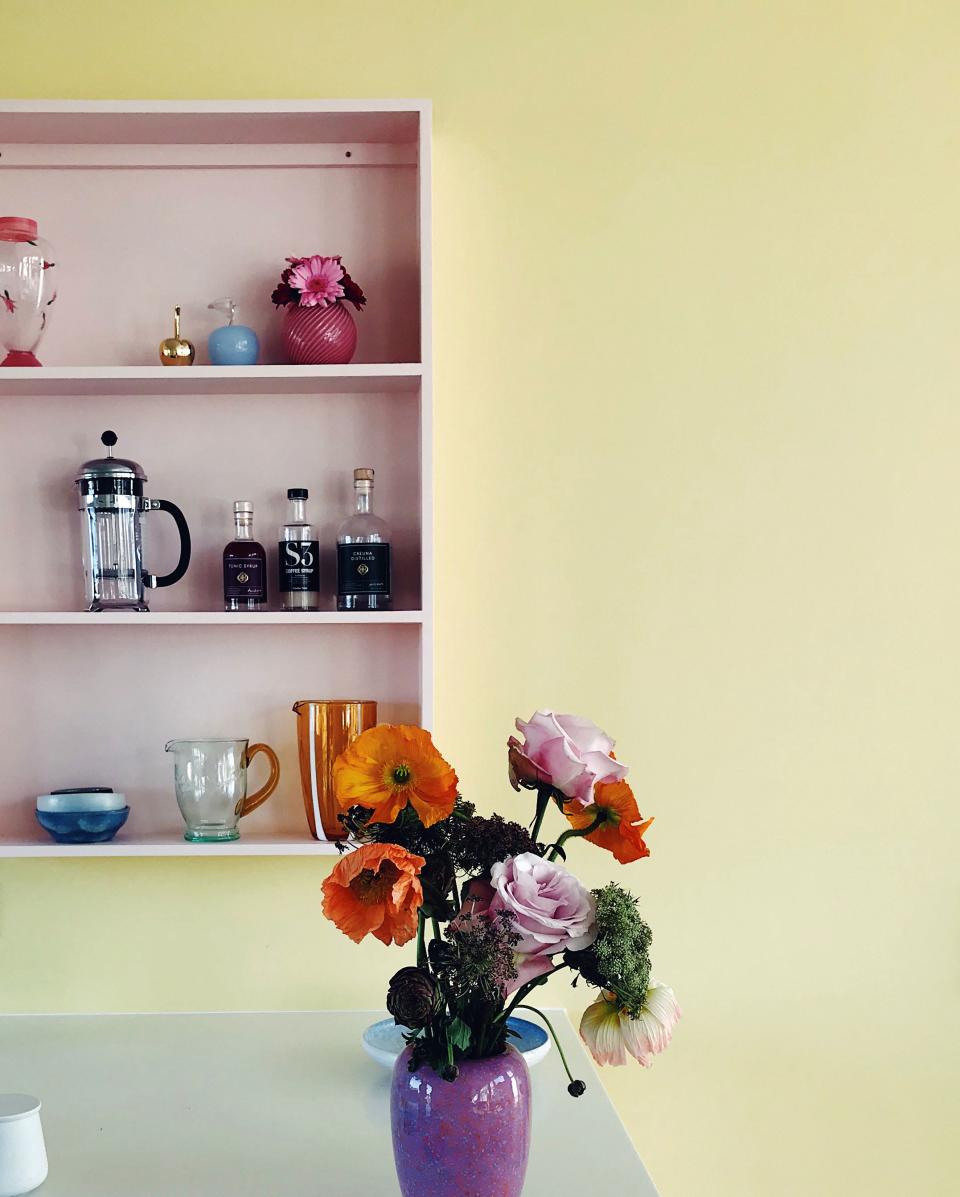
621, 831
375, 890
390, 765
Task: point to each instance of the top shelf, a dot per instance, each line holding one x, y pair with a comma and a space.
210, 380
210, 122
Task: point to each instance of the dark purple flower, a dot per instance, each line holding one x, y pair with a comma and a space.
410, 997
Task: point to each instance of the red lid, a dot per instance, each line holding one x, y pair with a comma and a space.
17, 228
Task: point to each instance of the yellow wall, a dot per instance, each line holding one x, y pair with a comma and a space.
698, 433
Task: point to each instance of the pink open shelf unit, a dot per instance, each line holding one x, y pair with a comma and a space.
152, 204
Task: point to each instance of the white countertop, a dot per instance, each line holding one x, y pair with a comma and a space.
265, 1105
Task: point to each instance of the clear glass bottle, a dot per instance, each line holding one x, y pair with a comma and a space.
298, 558
363, 553
244, 565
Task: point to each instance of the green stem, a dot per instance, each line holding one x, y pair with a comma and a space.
436, 928
553, 1035
543, 801
576, 833
421, 947
525, 989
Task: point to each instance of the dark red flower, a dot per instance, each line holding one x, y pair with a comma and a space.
352, 292
285, 294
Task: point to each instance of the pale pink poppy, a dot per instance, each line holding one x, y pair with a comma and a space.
613, 1036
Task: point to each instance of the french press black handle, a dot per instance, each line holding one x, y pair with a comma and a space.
151, 580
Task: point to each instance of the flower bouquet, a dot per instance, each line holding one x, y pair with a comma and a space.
494, 912
317, 328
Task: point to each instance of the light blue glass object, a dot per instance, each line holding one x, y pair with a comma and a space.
232, 344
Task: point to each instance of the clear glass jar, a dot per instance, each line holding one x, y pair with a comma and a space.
28, 289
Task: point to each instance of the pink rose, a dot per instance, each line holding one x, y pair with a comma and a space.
552, 911
570, 753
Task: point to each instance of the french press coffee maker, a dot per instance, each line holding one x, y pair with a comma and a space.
110, 498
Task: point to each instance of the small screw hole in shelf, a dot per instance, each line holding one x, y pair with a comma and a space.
348, 154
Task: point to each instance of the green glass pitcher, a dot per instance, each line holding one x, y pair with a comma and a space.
210, 780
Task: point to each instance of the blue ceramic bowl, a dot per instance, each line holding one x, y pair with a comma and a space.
82, 826
383, 1041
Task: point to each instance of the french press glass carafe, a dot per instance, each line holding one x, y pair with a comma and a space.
110, 498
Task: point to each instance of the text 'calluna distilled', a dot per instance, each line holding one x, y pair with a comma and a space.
363, 553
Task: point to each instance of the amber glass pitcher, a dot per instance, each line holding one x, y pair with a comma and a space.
324, 729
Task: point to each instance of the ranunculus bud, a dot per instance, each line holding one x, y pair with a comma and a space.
410, 997
576, 1088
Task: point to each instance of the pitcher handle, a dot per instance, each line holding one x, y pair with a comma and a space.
252, 801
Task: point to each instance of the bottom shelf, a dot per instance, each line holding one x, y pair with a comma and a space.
173, 844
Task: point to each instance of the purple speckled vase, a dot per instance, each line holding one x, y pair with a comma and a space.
464, 1138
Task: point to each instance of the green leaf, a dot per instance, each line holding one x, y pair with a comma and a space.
459, 1034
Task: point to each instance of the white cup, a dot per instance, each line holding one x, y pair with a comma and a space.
23, 1156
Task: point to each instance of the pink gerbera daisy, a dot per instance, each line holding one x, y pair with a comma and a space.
318, 281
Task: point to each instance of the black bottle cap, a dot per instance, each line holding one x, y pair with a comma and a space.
298, 492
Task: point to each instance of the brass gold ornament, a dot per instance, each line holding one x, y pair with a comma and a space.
177, 350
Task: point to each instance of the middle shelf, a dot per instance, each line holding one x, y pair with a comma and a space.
188, 618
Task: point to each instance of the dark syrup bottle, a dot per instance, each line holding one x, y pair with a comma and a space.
244, 565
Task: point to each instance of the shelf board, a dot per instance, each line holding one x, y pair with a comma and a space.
210, 122
210, 380
173, 844
206, 618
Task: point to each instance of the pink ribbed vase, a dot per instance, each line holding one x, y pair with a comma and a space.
317, 336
